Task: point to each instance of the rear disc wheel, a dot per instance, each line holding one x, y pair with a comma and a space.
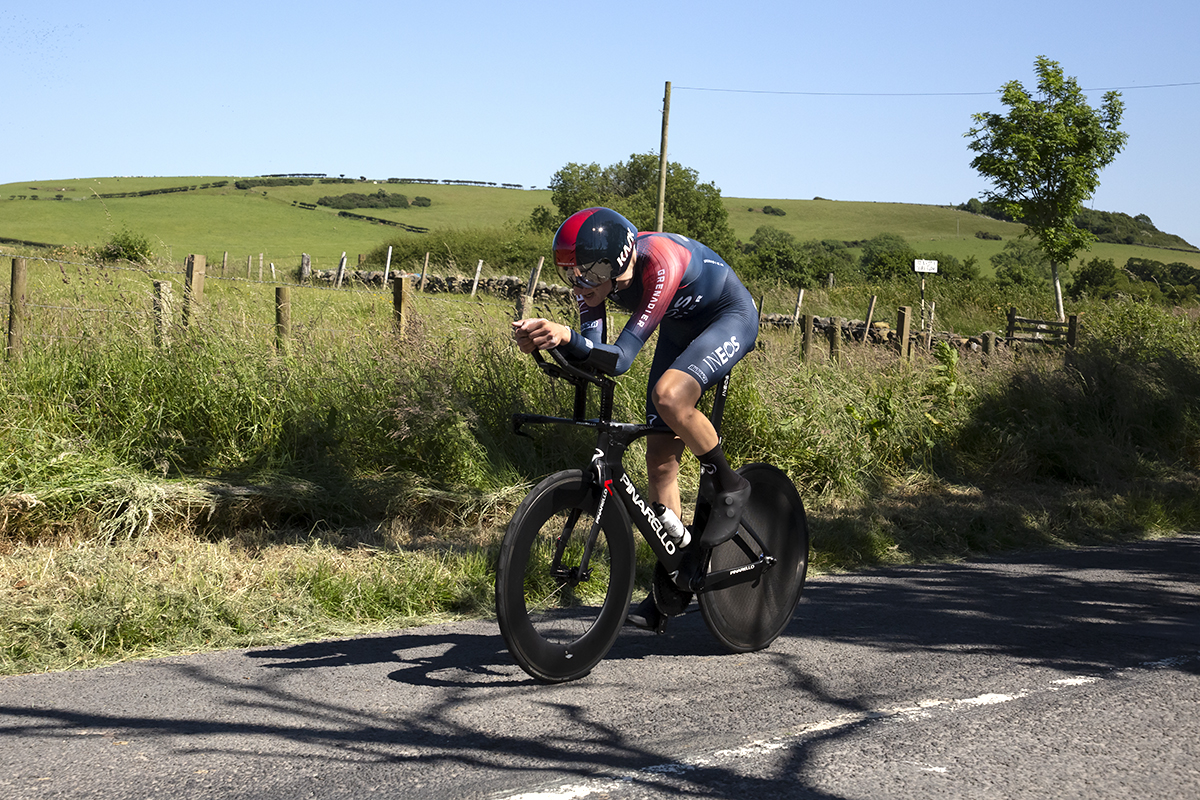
749, 616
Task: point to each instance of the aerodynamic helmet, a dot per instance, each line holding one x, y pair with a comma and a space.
593, 246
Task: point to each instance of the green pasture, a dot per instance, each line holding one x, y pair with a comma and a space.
929, 229
244, 223
263, 220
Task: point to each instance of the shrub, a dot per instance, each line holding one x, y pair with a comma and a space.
995, 237
503, 251
125, 246
773, 211
380, 199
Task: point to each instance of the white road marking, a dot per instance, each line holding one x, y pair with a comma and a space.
919, 710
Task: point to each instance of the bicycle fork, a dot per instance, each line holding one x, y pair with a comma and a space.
582, 572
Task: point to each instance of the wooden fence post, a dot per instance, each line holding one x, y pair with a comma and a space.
400, 305
249, 262
478, 269
807, 336
835, 340
387, 266
17, 310
796, 313
989, 343
870, 314
162, 312
224, 263
341, 272
283, 318
193, 289
903, 328
424, 274
305, 267
1072, 329
525, 302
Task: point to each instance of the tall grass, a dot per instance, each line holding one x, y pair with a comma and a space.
213, 492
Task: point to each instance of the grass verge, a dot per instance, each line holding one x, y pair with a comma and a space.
213, 493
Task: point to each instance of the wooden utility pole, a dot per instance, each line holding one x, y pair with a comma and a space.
662, 159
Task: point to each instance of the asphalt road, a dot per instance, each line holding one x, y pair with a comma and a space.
1057, 674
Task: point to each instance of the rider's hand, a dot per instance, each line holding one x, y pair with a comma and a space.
539, 334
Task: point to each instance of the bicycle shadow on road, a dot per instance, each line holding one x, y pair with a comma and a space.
1078, 610
1083, 610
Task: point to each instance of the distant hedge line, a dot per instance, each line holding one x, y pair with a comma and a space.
168, 190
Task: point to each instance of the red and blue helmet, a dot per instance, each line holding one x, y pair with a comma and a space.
593, 246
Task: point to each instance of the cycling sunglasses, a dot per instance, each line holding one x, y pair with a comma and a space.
588, 276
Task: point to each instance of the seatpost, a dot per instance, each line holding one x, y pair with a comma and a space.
580, 400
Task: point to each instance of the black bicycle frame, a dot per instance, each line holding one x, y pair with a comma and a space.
686, 567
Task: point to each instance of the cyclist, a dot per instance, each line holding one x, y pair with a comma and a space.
706, 321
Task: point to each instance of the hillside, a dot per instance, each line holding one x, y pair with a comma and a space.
210, 215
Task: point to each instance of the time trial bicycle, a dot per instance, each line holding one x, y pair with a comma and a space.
565, 574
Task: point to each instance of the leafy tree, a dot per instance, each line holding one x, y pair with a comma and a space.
630, 187
772, 254
830, 256
1021, 263
1177, 282
1044, 157
973, 206
887, 256
1097, 278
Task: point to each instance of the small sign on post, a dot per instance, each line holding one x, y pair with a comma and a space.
924, 267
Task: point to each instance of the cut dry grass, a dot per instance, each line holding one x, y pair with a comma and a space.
76, 604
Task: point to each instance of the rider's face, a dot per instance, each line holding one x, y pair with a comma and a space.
594, 296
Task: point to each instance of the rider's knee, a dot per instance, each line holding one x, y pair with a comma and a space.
671, 398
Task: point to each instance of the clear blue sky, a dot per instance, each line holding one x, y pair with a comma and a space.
844, 100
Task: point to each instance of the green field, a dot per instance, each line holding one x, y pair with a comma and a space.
264, 220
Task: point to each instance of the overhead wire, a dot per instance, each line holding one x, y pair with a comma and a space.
916, 94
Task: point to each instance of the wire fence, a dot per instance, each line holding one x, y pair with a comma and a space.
64, 301
56, 301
